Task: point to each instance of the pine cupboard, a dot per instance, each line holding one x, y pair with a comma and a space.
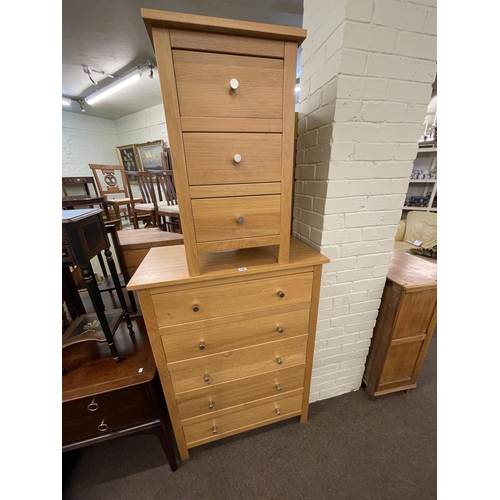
228, 91
405, 325
234, 345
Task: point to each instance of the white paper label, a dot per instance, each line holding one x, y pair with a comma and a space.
417, 243
140, 370
242, 268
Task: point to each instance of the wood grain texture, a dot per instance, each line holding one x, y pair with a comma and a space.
216, 219
239, 243
210, 158
404, 327
194, 22
147, 238
233, 335
311, 341
225, 191
208, 400
171, 107
161, 364
289, 78
203, 85
168, 266
244, 417
223, 367
412, 273
216, 124
228, 44
226, 300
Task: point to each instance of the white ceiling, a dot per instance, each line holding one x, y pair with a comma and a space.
109, 36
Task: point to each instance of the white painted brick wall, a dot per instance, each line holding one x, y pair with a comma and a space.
368, 66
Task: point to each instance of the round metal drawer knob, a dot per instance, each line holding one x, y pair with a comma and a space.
214, 430
102, 426
240, 220
281, 294
279, 361
237, 158
202, 346
196, 308
93, 406
206, 378
278, 412
210, 405
280, 329
278, 387
234, 84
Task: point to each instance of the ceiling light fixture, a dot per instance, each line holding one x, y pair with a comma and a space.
297, 88
81, 103
89, 71
66, 101
118, 84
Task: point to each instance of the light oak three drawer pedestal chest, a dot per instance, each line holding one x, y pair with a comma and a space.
234, 346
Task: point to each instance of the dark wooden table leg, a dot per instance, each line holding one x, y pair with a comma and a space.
165, 438
119, 291
71, 295
95, 297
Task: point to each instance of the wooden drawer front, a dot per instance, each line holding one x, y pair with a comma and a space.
210, 158
245, 417
173, 308
67, 257
84, 428
96, 405
216, 219
415, 313
212, 339
400, 362
218, 397
231, 365
204, 90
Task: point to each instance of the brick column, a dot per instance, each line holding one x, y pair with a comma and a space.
367, 73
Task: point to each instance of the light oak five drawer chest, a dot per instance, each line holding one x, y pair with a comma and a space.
228, 90
233, 346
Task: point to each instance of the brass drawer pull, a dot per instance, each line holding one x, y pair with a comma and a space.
93, 406
279, 361
201, 346
206, 378
214, 430
237, 158
234, 84
210, 405
281, 294
278, 387
280, 329
102, 426
278, 412
240, 220
196, 308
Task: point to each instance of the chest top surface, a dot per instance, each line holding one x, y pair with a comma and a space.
410, 272
167, 265
164, 19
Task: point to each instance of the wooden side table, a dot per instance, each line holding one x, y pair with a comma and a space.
83, 237
103, 400
405, 325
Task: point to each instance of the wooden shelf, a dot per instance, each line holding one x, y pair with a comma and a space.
422, 209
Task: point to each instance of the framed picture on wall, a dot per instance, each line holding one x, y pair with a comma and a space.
150, 155
127, 155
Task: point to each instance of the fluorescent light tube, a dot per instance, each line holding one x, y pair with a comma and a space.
114, 87
66, 102
297, 88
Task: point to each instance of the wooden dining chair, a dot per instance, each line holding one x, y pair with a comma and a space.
168, 206
148, 207
112, 183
